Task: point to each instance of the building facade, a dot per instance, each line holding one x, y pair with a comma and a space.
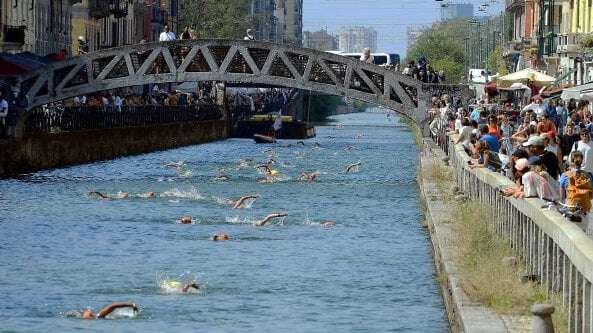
266, 27
320, 40
452, 11
355, 38
42, 27
104, 25
294, 22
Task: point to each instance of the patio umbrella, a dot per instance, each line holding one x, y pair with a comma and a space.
525, 75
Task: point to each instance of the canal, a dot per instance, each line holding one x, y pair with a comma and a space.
61, 250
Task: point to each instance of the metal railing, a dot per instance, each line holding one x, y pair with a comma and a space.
76, 119
555, 251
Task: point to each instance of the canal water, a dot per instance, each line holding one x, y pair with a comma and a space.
61, 250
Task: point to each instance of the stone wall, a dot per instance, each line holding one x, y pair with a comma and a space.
58, 150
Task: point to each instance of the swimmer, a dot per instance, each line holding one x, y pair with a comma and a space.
120, 195
222, 177
328, 224
316, 145
173, 165
308, 177
239, 204
176, 287
268, 218
148, 195
220, 237
301, 142
88, 314
264, 168
185, 220
353, 167
349, 148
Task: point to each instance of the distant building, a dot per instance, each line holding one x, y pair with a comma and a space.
42, 27
451, 11
355, 38
413, 33
104, 25
294, 22
265, 21
320, 40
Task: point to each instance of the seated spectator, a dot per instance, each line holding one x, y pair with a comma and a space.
487, 158
535, 147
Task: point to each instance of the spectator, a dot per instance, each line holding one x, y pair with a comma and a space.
249, 35
166, 35
492, 141
3, 109
83, 46
367, 56
186, 33
536, 148
486, 157
584, 146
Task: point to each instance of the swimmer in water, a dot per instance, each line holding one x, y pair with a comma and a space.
120, 195
176, 287
174, 165
240, 204
268, 218
148, 195
328, 224
301, 142
220, 237
185, 220
222, 177
353, 167
308, 177
265, 168
88, 314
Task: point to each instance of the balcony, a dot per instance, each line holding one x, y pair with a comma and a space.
568, 43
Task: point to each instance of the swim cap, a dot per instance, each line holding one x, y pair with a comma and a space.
274, 172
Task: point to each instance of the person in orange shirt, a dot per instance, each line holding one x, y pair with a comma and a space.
546, 126
493, 128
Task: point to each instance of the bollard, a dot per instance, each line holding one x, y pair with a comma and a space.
542, 319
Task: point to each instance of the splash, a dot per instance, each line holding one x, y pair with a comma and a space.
186, 283
192, 194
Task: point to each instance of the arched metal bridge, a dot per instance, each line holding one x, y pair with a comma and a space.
251, 62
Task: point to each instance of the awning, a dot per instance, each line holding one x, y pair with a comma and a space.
525, 75
584, 91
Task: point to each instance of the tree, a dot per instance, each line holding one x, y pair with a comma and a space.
443, 46
496, 63
224, 19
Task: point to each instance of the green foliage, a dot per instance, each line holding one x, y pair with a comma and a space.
496, 63
323, 106
443, 46
224, 19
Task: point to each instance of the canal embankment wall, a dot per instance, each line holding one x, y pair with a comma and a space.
556, 252
55, 150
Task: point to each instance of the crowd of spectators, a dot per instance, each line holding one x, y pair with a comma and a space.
422, 70
544, 147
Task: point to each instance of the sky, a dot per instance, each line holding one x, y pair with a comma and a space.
389, 17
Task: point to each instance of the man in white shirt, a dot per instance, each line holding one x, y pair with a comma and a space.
166, 35
3, 109
249, 35
584, 146
367, 56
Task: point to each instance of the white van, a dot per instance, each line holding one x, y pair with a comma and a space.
380, 59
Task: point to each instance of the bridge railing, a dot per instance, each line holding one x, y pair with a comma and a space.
555, 251
76, 119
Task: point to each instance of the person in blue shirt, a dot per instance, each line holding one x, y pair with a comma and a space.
492, 141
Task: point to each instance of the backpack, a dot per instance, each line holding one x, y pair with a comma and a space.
578, 190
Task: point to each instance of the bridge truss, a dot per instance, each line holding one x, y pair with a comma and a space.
251, 62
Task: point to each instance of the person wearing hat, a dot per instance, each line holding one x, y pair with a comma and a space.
534, 181
584, 146
536, 148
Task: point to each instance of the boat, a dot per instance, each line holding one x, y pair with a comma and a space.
259, 138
